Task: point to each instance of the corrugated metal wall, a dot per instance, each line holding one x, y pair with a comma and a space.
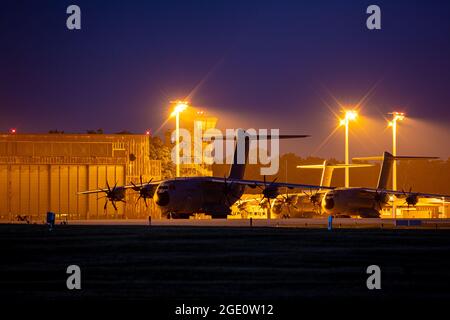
32, 190
41, 173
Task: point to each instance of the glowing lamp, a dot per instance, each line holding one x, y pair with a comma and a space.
179, 107
351, 115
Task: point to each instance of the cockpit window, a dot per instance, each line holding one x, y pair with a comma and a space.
167, 187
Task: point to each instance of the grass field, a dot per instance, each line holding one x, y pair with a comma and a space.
279, 264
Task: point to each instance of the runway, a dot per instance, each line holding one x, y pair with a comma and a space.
292, 223
128, 263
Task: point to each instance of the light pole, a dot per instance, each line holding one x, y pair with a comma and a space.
396, 116
350, 115
180, 106
444, 214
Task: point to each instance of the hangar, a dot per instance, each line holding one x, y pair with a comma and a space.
44, 172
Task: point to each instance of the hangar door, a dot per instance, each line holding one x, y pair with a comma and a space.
32, 190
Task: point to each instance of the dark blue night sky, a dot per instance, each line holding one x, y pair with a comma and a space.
273, 64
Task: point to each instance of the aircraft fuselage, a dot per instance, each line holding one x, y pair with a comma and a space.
182, 197
353, 201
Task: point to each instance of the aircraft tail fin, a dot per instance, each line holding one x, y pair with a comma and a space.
327, 174
385, 171
240, 156
387, 163
327, 170
242, 149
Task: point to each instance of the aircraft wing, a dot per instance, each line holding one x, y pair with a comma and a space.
255, 183
406, 193
138, 185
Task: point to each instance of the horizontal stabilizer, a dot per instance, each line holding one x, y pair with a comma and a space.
327, 170
414, 158
252, 136
335, 166
390, 156
367, 159
259, 137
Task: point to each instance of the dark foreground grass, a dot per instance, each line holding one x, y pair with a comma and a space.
165, 263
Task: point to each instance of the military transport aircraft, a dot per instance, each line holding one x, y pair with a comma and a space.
285, 203
182, 197
367, 202
355, 201
315, 197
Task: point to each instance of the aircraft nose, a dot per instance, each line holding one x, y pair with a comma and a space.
162, 198
329, 202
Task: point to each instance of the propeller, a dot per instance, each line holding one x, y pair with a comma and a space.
380, 198
145, 191
411, 199
265, 203
269, 191
229, 190
314, 198
113, 195
242, 206
135, 187
289, 201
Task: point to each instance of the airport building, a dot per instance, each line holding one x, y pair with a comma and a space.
193, 119
423, 210
44, 172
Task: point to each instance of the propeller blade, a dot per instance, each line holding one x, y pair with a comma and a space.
135, 187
